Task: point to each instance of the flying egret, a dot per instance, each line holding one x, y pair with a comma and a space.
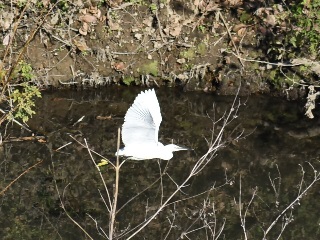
140, 130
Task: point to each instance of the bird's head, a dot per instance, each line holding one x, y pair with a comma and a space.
167, 154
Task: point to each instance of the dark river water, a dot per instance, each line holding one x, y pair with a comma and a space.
262, 181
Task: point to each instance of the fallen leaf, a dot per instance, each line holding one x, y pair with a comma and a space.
237, 27
148, 21
227, 59
104, 117
181, 60
6, 20
95, 11
211, 7
119, 66
241, 32
83, 11
271, 20
55, 19
113, 25
175, 31
138, 36
6, 40
84, 29
182, 76
81, 45
45, 2
88, 18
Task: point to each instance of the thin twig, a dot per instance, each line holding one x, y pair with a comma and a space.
15, 121
24, 172
230, 36
301, 193
116, 191
62, 204
103, 181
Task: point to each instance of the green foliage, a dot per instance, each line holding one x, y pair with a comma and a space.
188, 54
202, 28
202, 48
153, 8
275, 79
188, 66
63, 5
24, 101
21, 3
101, 3
306, 18
23, 71
245, 17
128, 80
135, 1
150, 68
26, 71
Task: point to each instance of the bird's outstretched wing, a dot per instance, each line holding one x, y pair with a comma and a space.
142, 120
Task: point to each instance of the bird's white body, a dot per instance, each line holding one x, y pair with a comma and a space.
140, 130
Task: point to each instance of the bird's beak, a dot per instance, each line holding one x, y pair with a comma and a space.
180, 148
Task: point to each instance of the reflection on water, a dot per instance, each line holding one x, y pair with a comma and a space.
261, 172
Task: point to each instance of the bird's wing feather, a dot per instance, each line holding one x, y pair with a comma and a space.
142, 120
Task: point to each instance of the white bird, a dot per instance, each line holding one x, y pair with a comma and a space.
140, 130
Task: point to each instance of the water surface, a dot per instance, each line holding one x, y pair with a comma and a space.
276, 143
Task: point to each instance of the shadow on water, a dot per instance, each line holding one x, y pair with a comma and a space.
276, 143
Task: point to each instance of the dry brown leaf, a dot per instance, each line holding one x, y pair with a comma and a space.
83, 11
235, 40
234, 2
6, 40
119, 66
227, 59
148, 21
138, 36
82, 32
187, 22
271, 20
115, 3
104, 117
45, 2
202, 6
81, 45
237, 27
6, 20
241, 32
181, 60
261, 11
98, 14
95, 11
84, 29
211, 7
78, 3
113, 25
88, 18
175, 30
183, 76
55, 19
